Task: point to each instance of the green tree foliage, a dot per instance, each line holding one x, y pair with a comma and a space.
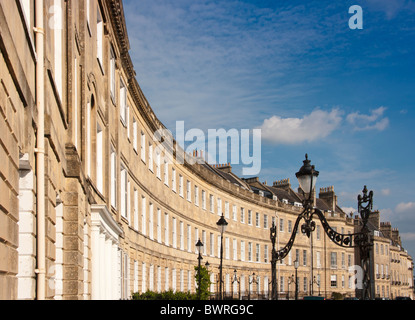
167, 295
337, 296
205, 282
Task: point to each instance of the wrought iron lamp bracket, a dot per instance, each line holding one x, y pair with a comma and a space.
360, 239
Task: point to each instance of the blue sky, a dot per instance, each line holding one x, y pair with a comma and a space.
297, 71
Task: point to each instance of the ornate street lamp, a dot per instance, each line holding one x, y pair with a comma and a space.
307, 177
365, 205
199, 246
237, 280
273, 237
317, 283
296, 265
222, 224
252, 280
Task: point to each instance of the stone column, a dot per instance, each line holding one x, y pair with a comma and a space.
95, 262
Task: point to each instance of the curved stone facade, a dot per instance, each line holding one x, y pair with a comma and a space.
120, 216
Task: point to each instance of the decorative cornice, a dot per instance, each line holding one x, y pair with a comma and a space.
119, 26
118, 23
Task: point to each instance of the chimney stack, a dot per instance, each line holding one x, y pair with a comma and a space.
328, 195
386, 229
282, 184
396, 237
226, 167
374, 219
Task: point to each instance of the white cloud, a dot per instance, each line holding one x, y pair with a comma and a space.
320, 124
403, 212
317, 125
373, 121
385, 192
405, 207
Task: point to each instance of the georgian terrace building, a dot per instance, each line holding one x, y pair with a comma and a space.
90, 206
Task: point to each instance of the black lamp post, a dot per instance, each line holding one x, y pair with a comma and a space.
290, 280
296, 265
207, 264
199, 246
222, 224
251, 280
317, 283
365, 204
273, 236
307, 177
237, 280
